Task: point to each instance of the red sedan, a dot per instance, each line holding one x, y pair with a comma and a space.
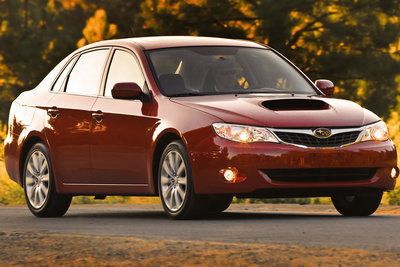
196, 121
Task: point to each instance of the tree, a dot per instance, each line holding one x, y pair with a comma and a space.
34, 37
97, 28
196, 17
353, 43
347, 41
121, 13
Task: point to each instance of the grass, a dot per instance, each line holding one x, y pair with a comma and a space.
10, 192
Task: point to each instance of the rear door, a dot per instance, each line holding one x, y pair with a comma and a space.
120, 135
69, 119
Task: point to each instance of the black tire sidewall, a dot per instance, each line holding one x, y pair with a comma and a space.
363, 204
219, 203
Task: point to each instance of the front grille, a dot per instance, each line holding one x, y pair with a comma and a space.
307, 140
320, 175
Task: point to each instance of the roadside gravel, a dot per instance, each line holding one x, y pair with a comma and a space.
23, 249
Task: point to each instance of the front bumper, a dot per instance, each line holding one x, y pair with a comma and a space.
214, 154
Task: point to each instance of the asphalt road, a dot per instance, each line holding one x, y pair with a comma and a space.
321, 228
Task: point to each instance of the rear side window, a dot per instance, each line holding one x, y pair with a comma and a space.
124, 68
59, 85
85, 77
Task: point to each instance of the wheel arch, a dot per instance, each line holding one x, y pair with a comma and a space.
27, 145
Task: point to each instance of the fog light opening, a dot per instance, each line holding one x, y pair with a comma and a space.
231, 175
395, 172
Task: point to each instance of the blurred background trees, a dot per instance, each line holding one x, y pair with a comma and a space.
354, 43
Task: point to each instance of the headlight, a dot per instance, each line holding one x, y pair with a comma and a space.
243, 133
375, 132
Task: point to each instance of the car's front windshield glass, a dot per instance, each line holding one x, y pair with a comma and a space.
189, 71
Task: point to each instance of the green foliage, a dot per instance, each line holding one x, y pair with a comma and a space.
394, 196
345, 41
121, 13
34, 37
175, 17
353, 43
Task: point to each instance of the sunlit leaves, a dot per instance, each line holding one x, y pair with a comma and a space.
356, 44
97, 28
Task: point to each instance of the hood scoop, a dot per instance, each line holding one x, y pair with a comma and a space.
295, 104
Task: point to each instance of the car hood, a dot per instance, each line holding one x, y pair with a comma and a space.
285, 111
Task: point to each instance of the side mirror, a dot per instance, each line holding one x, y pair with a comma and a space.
126, 91
326, 86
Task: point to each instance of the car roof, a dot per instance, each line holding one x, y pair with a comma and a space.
159, 42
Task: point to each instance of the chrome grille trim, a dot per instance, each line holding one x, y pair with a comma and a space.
309, 131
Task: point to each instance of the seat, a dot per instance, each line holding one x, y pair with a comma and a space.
172, 84
209, 84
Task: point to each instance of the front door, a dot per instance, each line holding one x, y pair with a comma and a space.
120, 135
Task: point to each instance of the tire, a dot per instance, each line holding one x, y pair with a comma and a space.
39, 185
175, 184
217, 204
362, 204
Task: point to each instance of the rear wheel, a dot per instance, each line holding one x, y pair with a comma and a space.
39, 187
362, 204
175, 184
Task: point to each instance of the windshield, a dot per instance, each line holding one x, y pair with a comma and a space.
225, 70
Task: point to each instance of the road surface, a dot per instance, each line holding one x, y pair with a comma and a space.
313, 226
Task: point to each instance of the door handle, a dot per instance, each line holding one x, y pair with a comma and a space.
98, 116
53, 112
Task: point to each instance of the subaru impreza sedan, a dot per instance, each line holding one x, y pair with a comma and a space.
197, 121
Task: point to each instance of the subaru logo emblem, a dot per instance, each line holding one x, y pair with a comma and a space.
322, 132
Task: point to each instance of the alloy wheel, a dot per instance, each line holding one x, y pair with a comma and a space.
37, 179
173, 180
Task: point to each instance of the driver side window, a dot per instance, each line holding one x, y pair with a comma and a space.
124, 68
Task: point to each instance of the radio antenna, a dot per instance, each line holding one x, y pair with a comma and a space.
131, 31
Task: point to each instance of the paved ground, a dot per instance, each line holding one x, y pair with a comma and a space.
309, 225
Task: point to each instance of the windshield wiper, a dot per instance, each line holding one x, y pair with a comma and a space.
185, 94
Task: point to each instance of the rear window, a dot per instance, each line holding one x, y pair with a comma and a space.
85, 77
59, 85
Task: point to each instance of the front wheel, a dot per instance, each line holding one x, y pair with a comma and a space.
218, 204
362, 204
175, 184
39, 186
